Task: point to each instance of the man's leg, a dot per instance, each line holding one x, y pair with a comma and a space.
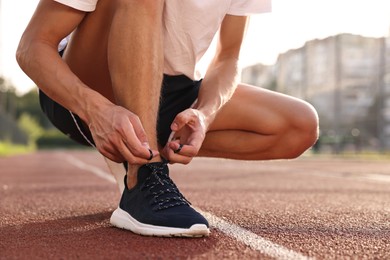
136, 58
258, 124
117, 50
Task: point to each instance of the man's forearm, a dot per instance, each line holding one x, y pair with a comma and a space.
43, 65
218, 86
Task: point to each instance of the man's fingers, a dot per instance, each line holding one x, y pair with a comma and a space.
139, 131
112, 156
137, 147
176, 157
180, 121
141, 151
178, 153
130, 158
120, 136
178, 149
184, 150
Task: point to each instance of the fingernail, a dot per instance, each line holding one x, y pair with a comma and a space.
174, 126
145, 144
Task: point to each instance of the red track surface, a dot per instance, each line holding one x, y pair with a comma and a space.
326, 209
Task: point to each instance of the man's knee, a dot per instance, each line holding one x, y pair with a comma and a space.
304, 131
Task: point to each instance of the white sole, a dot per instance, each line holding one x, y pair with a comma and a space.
122, 219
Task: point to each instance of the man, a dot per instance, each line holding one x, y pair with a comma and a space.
128, 75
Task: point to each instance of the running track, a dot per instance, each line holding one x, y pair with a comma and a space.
57, 204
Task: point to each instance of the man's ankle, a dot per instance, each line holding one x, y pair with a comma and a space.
131, 179
156, 159
132, 172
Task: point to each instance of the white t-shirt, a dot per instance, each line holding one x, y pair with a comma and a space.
189, 27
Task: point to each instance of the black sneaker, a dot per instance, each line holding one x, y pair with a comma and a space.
155, 207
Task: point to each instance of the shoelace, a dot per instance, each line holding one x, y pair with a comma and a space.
165, 193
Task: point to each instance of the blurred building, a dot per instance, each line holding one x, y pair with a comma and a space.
259, 75
347, 79
385, 96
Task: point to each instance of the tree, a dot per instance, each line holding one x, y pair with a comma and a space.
8, 98
30, 126
29, 103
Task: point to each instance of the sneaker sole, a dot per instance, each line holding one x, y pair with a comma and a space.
122, 219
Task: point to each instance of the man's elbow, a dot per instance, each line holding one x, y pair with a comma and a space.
24, 53
21, 54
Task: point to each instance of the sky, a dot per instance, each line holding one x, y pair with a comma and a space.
290, 24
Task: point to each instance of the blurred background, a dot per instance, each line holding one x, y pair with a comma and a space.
333, 53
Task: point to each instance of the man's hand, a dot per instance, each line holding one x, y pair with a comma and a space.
190, 130
119, 135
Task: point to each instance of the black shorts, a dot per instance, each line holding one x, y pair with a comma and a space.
178, 93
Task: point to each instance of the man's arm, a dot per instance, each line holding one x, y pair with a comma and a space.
38, 57
217, 88
223, 73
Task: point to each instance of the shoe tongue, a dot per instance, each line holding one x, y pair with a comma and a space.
146, 170
164, 191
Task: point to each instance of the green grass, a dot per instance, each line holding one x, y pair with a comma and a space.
8, 149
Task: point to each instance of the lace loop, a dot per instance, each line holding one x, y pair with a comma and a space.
165, 193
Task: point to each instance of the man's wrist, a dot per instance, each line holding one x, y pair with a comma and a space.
208, 115
90, 103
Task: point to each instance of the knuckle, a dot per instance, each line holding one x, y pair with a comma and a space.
181, 159
142, 135
137, 161
117, 159
140, 161
180, 117
134, 118
111, 157
107, 146
133, 159
187, 161
100, 147
137, 151
192, 153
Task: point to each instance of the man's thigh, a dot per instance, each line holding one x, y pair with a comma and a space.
86, 53
258, 124
259, 110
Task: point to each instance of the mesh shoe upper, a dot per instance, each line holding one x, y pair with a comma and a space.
156, 200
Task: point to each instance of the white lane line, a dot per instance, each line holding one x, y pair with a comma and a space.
251, 239
372, 177
375, 177
95, 170
247, 237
